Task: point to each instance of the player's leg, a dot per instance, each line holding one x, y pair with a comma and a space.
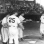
10, 37
16, 41
10, 40
42, 30
4, 36
21, 34
16, 37
11, 34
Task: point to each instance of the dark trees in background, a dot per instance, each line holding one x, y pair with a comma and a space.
29, 8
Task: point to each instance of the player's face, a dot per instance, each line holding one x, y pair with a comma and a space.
22, 14
7, 15
16, 14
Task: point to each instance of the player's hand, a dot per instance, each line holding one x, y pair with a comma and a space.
5, 25
24, 21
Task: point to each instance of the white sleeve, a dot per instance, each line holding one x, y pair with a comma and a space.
21, 18
18, 20
3, 20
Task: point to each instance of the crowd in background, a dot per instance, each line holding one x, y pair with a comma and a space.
27, 7
16, 5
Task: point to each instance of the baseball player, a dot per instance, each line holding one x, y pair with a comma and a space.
13, 22
4, 30
42, 25
21, 29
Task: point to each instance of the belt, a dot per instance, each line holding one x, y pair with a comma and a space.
11, 26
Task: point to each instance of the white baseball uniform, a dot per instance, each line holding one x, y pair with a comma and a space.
13, 22
20, 29
42, 25
4, 30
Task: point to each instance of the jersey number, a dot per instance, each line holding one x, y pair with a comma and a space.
11, 20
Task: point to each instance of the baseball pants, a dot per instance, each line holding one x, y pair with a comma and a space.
13, 35
42, 28
4, 34
20, 32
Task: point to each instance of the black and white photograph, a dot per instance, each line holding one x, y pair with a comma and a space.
21, 21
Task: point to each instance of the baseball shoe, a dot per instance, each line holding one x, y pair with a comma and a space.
22, 39
4, 43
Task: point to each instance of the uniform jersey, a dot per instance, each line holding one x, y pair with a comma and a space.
42, 19
21, 18
13, 20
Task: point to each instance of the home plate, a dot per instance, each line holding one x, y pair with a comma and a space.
32, 41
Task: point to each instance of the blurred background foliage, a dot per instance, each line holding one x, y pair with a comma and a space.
27, 7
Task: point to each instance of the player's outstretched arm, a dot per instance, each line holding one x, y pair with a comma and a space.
21, 26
